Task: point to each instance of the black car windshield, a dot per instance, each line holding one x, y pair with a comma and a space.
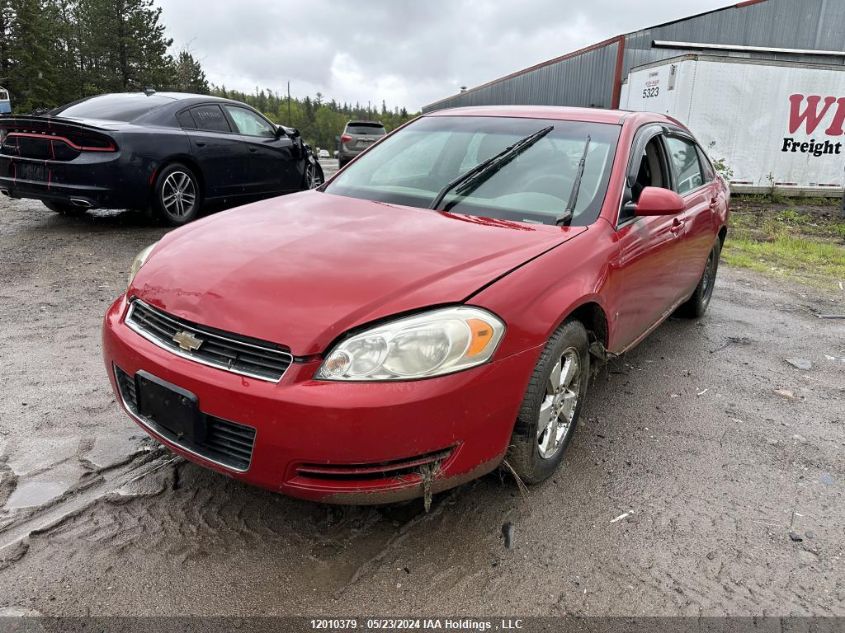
418, 161
114, 107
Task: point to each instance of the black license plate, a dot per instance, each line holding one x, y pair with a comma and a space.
170, 407
31, 171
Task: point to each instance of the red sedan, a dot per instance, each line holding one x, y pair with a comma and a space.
432, 310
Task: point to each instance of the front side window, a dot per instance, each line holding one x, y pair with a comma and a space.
249, 123
684, 158
413, 166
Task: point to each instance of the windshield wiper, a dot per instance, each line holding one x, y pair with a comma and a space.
566, 216
481, 172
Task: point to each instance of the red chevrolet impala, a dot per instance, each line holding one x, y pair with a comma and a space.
431, 311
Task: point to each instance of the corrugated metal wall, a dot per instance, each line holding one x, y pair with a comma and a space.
569, 82
588, 78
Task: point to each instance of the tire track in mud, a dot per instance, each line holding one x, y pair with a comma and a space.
89, 490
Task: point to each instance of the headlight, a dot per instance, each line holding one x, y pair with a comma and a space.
438, 342
139, 260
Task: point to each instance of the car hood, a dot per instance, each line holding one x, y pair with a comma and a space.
301, 269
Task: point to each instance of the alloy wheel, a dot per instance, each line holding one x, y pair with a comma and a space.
708, 278
557, 411
312, 178
178, 194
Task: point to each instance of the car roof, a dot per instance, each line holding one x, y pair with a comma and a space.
560, 113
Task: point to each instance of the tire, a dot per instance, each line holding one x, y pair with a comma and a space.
64, 208
313, 176
696, 305
177, 198
537, 448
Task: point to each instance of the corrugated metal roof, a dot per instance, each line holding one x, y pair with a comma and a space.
591, 76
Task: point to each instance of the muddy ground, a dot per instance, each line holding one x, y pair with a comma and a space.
707, 477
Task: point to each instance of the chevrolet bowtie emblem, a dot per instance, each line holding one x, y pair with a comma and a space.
187, 341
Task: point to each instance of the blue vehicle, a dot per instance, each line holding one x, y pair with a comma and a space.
5, 104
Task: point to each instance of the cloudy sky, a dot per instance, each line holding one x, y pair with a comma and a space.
407, 52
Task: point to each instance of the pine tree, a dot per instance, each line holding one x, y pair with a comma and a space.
30, 53
123, 45
188, 75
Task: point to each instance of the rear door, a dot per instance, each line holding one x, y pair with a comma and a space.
697, 186
222, 158
643, 273
274, 165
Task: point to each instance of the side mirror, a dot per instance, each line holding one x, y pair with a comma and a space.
658, 201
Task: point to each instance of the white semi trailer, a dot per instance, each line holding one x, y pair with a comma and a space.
774, 124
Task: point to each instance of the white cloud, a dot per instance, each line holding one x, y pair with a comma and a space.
406, 52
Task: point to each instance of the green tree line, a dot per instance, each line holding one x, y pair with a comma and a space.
53, 52
56, 51
319, 121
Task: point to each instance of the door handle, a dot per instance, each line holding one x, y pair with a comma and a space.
677, 226
199, 144
253, 150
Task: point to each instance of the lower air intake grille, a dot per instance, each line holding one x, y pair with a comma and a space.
381, 470
227, 443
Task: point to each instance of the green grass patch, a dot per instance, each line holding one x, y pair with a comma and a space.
804, 259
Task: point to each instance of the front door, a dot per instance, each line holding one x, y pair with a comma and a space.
273, 161
643, 273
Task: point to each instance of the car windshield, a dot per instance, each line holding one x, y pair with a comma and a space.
113, 107
412, 166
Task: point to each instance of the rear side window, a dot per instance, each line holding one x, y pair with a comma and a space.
185, 120
365, 129
683, 155
210, 118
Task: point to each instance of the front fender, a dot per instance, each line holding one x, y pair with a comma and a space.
537, 297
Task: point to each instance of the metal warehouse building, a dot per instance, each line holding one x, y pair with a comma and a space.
804, 31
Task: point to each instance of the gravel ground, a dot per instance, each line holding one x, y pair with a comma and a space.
706, 479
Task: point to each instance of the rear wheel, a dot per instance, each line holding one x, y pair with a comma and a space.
64, 208
177, 195
696, 305
552, 404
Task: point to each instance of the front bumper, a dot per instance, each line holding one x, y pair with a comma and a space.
330, 441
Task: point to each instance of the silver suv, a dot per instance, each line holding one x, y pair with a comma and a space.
357, 136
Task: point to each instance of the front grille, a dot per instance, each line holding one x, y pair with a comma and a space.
227, 443
231, 352
381, 470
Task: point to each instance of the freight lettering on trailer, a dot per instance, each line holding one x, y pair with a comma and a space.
811, 116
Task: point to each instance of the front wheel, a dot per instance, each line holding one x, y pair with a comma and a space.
313, 175
696, 305
177, 195
552, 404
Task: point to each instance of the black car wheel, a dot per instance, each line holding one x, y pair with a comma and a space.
64, 208
551, 405
177, 195
313, 176
696, 305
